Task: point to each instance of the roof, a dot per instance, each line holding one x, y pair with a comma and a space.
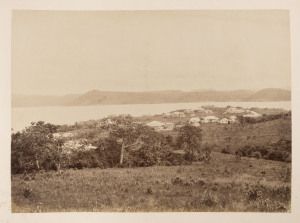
179, 151
252, 114
155, 123
224, 119
211, 117
195, 119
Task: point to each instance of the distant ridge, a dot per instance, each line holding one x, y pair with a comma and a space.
96, 97
270, 94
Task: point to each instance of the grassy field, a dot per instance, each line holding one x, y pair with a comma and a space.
224, 184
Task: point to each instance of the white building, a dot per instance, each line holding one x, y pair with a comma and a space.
224, 121
209, 119
252, 114
195, 121
177, 114
168, 114
156, 125
169, 126
233, 110
232, 119
77, 145
63, 134
208, 111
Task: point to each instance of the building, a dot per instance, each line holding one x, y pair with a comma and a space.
194, 122
168, 114
63, 134
233, 110
177, 114
252, 114
232, 119
156, 125
169, 126
208, 111
224, 121
209, 119
77, 145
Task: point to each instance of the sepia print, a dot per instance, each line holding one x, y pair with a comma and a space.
151, 111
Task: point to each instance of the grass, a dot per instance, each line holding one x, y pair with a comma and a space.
224, 184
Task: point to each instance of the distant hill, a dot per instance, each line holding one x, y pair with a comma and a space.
270, 94
96, 97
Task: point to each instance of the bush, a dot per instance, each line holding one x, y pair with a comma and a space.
257, 155
225, 151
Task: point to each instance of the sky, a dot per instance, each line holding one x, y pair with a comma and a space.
64, 52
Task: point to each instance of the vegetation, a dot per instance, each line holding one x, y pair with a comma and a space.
127, 145
244, 166
263, 118
224, 184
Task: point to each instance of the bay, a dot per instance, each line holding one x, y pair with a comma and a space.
23, 116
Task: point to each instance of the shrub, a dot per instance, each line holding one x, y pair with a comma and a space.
257, 155
225, 150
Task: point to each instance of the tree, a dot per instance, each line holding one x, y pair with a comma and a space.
130, 136
32, 148
189, 139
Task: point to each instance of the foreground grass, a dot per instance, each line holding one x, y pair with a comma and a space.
222, 185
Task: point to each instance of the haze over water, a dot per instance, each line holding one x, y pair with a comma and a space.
23, 116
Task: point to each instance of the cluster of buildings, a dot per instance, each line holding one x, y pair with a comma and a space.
249, 113
194, 121
212, 119
187, 112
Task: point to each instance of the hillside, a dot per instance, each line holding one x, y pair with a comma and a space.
270, 94
152, 97
249, 185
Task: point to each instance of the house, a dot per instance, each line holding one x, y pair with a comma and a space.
208, 111
195, 121
156, 125
90, 146
63, 134
109, 122
233, 110
169, 126
168, 114
77, 145
177, 114
178, 126
209, 119
252, 114
224, 121
232, 119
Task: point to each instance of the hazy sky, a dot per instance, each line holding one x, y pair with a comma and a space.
61, 52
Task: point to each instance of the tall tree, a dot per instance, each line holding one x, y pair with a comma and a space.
189, 139
130, 135
31, 148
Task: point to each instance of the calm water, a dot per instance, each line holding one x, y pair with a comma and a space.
23, 116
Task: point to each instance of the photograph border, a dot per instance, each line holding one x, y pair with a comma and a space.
6, 8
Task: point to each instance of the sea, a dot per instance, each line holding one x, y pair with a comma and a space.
23, 116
